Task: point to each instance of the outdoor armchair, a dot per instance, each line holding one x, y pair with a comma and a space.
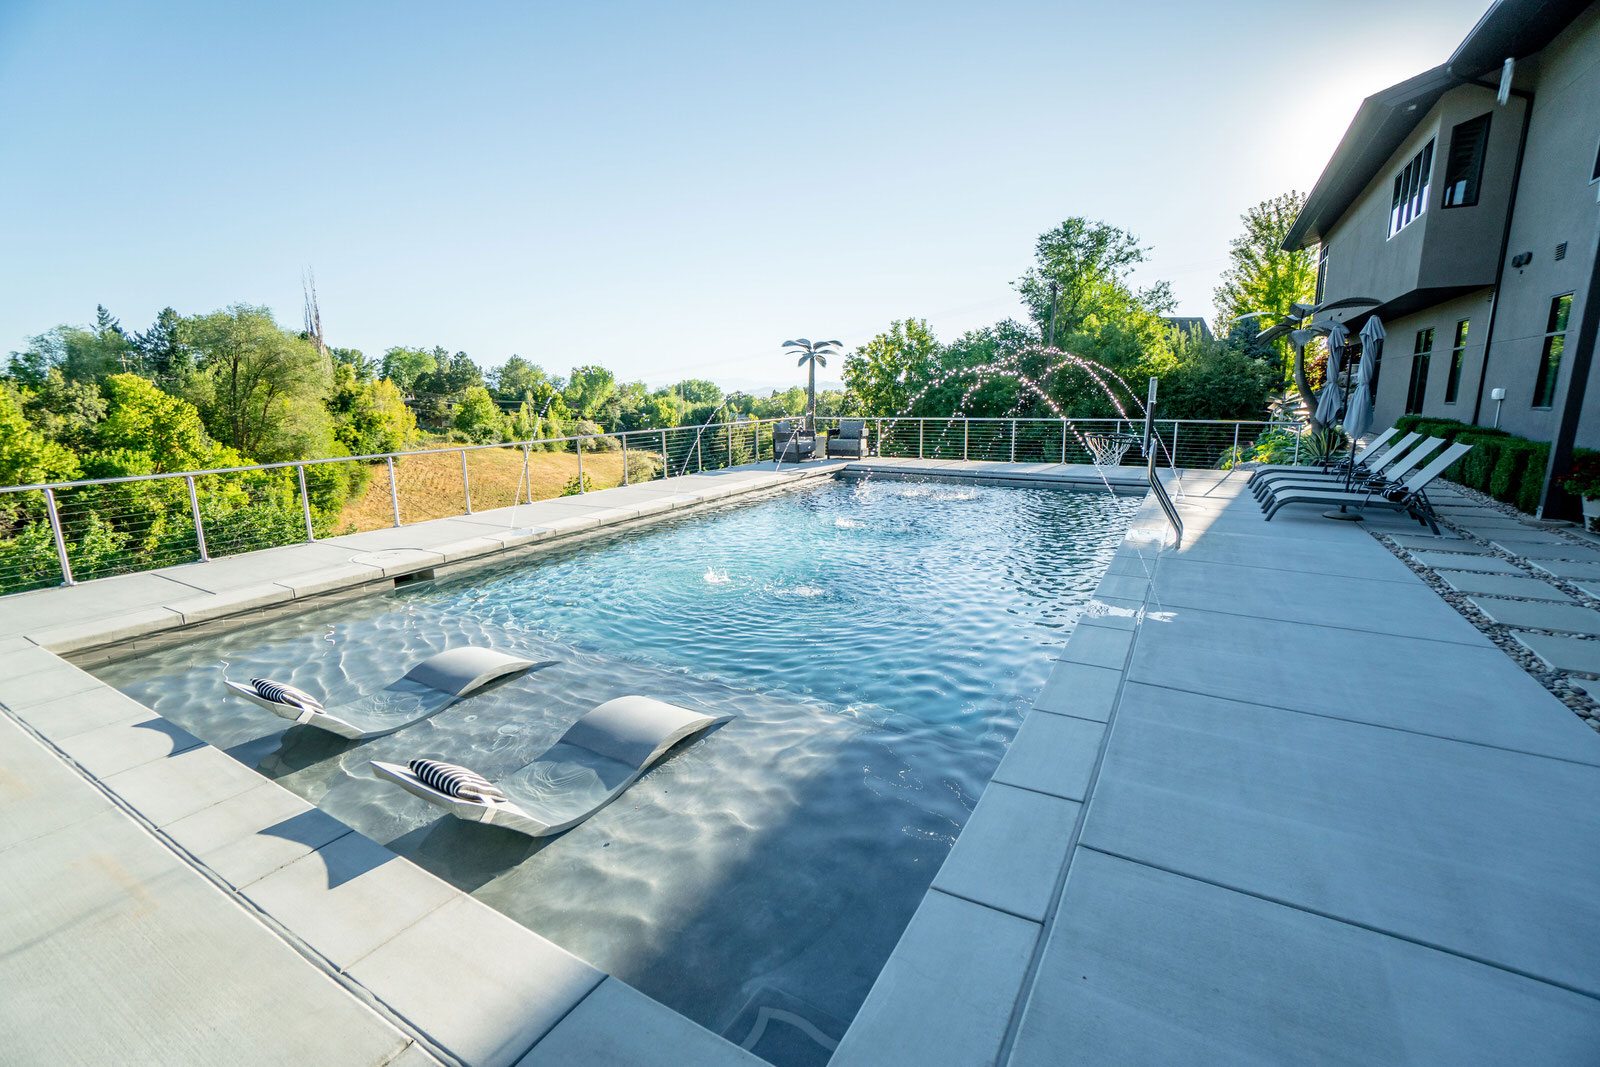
849, 440
791, 442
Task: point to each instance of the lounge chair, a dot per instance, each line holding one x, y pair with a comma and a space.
1412, 497
849, 440
1367, 460
422, 692
1331, 462
599, 756
1384, 474
790, 444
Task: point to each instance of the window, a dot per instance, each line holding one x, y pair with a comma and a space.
1555, 339
1322, 273
1464, 166
1452, 384
1418, 389
1411, 190
1595, 176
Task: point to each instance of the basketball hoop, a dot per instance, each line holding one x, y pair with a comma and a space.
1107, 449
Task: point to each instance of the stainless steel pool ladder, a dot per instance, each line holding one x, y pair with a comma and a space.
1166, 501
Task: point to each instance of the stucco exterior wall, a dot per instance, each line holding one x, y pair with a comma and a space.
1398, 352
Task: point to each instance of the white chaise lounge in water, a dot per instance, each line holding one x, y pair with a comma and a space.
599, 756
424, 691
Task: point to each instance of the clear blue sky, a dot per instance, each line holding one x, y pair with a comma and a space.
670, 189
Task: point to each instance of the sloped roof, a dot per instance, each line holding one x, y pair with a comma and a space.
1509, 29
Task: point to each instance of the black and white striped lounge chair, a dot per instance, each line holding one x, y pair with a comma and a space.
599, 757
1410, 497
423, 691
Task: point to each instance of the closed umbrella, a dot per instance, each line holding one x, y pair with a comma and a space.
1328, 402
1358, 412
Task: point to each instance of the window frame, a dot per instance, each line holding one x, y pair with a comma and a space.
1412, 187
1458, 356
1549, 376
1417, 385
1476, 166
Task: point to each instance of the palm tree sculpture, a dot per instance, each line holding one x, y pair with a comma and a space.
812, 354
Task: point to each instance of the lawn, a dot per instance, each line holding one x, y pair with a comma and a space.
431, 485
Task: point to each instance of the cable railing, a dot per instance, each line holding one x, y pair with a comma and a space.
62, 533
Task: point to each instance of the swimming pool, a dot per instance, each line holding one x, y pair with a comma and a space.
878, 642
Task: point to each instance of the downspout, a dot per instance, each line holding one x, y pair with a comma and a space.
1505, 240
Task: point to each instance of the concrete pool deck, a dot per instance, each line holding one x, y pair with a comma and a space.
1277, 802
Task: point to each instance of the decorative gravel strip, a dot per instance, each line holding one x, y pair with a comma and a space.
1559, 683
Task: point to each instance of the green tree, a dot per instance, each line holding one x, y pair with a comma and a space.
369, 417
403, 366
27, 456
160, 349
1262, 275
164, 430
478, 417
517, 379
259, 388
588, 390
880, 376
65, 412
1082, 275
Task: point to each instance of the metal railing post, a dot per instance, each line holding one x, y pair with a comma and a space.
394, 490
624, 436
664, 472
920, 427
880, 436
1174, 456
61, 542
581, 487
305, 501
1234, 458
1013, 440
527, 473
194, 510
1297, 448
966, 430
1063, 440
729, 435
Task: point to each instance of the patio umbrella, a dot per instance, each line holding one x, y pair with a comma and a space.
1328, 402
1358, 413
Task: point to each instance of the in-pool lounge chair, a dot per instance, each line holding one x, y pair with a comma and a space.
1370, 458
1384, 474
599, 756
422, 692
849, 440
1411, 497
1331, 463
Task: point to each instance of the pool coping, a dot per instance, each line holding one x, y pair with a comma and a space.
314, 886
977, 977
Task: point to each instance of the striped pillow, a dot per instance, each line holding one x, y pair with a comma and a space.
279, 693
454, 781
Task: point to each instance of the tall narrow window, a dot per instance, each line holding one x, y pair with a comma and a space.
1452, 384
1417, 390
1410, 198
1463, 169
1322, 273
1555, 339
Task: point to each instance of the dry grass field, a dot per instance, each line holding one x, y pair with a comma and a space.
431, 485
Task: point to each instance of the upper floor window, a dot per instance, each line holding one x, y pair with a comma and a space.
1322, 273
1463, 168
1555, 342
1411, 190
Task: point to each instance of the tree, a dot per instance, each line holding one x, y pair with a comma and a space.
1262, 275
810, 355
65, 412
1090, 264
588, 390
369, 417
517, 379
161, 352
363, 367
141, 420
879, 377
27, 457
260, 388
478, 417
403, 366
451, 376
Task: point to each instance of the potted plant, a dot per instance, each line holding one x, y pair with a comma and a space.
1583, 480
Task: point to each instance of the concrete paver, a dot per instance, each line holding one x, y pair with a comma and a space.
1569, 618
1563, 653
1502, 585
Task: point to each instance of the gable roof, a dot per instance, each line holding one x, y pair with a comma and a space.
1510, 28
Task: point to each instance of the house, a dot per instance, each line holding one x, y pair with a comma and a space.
1467, 201
1192, 326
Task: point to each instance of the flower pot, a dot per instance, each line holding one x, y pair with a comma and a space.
1591, 510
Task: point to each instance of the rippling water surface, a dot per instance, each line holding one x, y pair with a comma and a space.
878, 642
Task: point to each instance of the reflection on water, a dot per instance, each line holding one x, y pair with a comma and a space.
877, 642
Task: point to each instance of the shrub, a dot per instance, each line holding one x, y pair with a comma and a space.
576, 486
1583, 479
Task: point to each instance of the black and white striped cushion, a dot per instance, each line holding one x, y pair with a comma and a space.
279, 693
454, 781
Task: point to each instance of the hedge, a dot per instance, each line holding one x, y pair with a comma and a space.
1508, 468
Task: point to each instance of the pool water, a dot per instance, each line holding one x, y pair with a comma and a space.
878, 642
